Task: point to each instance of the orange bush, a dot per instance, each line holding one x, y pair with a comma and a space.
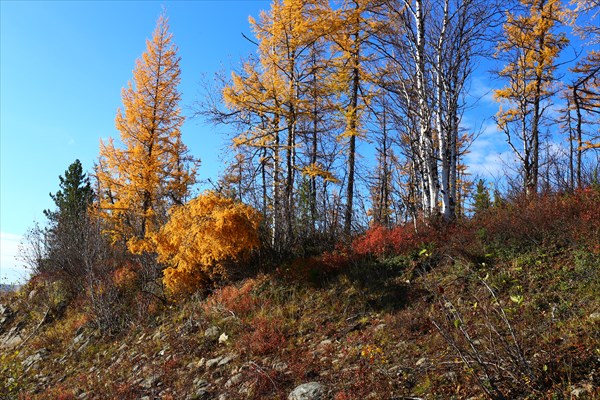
203, 238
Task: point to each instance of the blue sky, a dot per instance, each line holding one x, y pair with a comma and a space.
63, 65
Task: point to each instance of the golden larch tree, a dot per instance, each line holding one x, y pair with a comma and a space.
272, 91
531, 47
353, 24
152, 170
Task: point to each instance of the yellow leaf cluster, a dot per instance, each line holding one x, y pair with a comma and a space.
532, 47
202, 237
317, 170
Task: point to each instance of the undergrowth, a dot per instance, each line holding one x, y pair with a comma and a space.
503, 305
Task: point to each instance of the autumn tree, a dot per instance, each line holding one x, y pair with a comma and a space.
318, 150
530, 47
152, 171
590, 28
203, 238
277, 105
354, 25
583, 93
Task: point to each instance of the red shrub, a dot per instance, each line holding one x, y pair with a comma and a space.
239, 300
381, 241
125, 278
265, 382
559, 219
266, 337
55, 393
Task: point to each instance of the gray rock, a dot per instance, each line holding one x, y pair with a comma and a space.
148, 383
11, 341
200, 383
6, 315
34, 358
594, 317
12, 337
421, 361
582, 391
226, 360
213, 362
234, 380
307, 391
212, 333
80, 337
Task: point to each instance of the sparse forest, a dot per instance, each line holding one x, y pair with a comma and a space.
346, 244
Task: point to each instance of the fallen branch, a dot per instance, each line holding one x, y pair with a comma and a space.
44, 319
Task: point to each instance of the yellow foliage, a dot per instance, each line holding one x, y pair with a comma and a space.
532, 47
152, 170
316, 170
202, 237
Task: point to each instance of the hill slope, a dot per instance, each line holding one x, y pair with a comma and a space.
468, 312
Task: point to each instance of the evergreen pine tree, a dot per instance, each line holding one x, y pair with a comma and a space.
482, 199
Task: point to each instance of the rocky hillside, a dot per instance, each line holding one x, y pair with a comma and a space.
376, 335
474, 311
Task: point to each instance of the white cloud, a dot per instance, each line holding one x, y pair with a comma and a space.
489, 154
12, 270
490, 166
482, 92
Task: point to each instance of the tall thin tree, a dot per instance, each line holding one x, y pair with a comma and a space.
152, 170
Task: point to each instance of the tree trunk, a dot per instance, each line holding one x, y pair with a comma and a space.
352, 126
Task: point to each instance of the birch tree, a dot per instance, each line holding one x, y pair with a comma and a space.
431, 48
